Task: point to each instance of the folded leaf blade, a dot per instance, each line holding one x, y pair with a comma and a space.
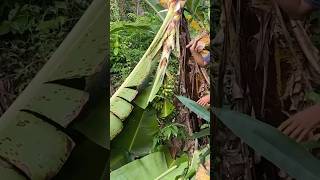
120, 107
30, 132
272, 144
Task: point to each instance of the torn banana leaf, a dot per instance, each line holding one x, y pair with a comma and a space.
37, 132
129, 95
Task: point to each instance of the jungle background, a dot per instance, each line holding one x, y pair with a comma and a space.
30, 31
165, 126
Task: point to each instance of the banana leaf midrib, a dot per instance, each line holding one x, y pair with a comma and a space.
147, 54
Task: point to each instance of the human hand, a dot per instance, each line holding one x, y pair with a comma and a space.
196, 45
205, 100
301, 125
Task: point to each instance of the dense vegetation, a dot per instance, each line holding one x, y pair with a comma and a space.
146, 132
30, 31
60, 115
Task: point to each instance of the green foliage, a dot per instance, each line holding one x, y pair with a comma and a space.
195, 107
163, 102
30, 31
153, 166
166, 133
313, 96
284, 152
148, 167
136, 137
64, 145
114, 11
202, 133
129, 44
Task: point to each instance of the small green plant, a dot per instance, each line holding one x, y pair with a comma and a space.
167, 133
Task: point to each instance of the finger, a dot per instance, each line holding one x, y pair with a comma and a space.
290, 128
303, 134
200, 47
284, 124
200, 101
193, 46
296, 132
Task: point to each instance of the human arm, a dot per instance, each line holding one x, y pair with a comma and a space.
302, 124
195, 49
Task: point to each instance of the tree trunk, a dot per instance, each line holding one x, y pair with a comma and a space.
271, 71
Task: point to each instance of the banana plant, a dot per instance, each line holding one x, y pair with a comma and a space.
141, 86
158, 7
57, 126
160, 166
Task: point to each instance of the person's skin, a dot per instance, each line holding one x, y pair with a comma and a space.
302, 124
195, 49
205, 100
296, 9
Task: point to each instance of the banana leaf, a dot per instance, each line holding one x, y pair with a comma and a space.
146, 168
43, 116
201, 133
167, 108
152, 166
272, 144
195, 107
129, 94
137, 136
315, 97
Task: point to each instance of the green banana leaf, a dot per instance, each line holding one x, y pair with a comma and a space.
118, 158
311, 145
195, 107
129, 26
315, 97
196, 160
201, 133
152, 166
146, 168
174, 172
137, 136
43, 116
167, 109
121, 102
272, 144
